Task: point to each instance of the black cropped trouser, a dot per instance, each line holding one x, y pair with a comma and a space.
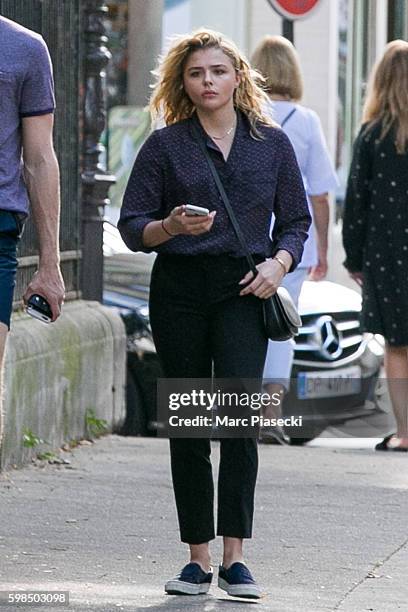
199, 321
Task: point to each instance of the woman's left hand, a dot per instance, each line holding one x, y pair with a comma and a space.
267, 281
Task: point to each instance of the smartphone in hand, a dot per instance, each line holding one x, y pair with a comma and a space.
38, 307
199, 211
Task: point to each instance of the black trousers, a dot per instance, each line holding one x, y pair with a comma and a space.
199, 321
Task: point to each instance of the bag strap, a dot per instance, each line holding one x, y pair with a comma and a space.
226, 201
288, 116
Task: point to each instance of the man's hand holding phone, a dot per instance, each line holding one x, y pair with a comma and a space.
48, 283
189, 220
39, 308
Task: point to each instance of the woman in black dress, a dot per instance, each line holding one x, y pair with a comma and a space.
375, 228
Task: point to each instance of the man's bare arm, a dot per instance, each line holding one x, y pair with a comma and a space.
41, 174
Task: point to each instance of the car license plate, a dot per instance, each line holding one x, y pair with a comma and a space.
344, 381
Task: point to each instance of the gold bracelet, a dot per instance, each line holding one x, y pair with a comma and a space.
281, 262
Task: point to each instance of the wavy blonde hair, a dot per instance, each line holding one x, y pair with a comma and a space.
387, 97
169, 98
278, 62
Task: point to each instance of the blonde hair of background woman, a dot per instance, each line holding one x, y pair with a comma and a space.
387, 97
169, 99
277, 60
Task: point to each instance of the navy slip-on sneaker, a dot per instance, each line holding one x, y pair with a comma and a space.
191, 581
237, 580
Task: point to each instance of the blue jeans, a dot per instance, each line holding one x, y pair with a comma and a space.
11, 227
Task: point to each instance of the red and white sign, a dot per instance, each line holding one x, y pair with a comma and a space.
294, 9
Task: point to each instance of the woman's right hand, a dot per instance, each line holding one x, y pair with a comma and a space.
178, 222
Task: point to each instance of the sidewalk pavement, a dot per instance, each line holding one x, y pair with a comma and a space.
331, 530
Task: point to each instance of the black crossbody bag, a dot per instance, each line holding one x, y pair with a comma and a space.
281, 318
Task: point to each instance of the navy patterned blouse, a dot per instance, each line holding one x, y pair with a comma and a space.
259, 176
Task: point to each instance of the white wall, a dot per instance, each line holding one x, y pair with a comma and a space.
226, 16
176, 21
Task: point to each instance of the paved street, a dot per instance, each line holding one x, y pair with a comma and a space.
330, 533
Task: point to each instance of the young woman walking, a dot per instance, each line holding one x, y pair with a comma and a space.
205, 307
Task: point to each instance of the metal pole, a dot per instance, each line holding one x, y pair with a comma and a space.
95, 179
287, 29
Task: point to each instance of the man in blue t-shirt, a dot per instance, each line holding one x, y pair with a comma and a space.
29, 171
